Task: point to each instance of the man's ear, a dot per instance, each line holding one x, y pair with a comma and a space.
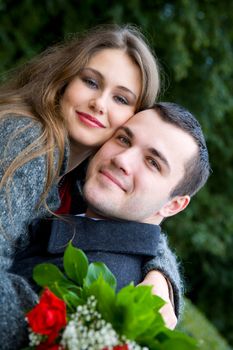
174, 206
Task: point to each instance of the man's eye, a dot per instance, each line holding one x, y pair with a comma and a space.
123, 139
122, 100
90, 83
153, 163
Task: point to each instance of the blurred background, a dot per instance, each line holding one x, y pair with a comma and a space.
193, 40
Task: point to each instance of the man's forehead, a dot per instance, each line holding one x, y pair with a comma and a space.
144, 120
148, 127
149, 123
147, 114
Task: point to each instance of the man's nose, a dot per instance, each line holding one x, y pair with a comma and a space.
126, 161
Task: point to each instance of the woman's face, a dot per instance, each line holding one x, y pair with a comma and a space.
101, 98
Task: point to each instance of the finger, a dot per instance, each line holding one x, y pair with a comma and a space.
169, 317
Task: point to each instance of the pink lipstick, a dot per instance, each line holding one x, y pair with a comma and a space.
89, 120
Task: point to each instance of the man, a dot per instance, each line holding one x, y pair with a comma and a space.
149, 169
146, 172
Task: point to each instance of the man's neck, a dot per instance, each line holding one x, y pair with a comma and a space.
91, 214
155, 220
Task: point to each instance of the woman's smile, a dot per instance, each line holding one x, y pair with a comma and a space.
89, 120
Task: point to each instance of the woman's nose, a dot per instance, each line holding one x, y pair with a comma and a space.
99, 103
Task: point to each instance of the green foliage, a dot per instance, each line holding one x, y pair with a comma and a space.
133, 312
137, 308
75, 264
193, 41
196, 324
47, 274
96, 269
105, 295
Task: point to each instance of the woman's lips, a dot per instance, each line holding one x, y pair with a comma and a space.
89, 120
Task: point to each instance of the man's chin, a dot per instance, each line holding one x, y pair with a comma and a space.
95, 210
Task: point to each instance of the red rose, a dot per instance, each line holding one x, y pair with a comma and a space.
48, 317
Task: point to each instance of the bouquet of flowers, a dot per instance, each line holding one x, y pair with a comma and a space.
80, 310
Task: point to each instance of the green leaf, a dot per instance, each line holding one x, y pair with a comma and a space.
72, 300
97, 269
181, 343
138, 311
105, 297
153, 330
175, 339
75, 264
69, 293
46, 274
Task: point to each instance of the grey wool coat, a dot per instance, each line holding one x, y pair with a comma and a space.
18, 207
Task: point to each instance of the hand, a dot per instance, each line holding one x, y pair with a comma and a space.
160, 288
168, 315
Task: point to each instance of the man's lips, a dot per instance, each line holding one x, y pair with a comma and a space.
89, 120
113, 179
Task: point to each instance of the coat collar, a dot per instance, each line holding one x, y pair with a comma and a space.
104, 235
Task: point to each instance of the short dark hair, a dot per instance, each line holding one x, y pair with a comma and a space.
197, 168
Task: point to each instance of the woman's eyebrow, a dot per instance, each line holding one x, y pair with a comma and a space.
128, 91
96, 72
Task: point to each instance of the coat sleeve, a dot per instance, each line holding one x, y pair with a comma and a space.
166, 262
18, 200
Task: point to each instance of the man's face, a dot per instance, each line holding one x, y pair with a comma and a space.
132, 175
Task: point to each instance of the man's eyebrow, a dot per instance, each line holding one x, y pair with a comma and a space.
127, 130
102, 78
159, 155
152, 150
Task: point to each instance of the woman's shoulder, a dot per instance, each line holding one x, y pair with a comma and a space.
18, 129
19, 136
15, 122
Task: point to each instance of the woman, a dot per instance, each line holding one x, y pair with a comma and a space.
54, 113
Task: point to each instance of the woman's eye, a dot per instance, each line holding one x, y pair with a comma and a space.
121, 100
90, 83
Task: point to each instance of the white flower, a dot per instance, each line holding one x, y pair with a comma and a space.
34, 338
87, 330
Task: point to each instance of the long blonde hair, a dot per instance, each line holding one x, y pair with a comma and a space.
36, 88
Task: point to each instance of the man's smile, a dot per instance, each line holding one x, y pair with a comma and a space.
113, 179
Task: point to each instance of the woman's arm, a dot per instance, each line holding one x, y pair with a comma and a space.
18, 201
167, 267
161, 287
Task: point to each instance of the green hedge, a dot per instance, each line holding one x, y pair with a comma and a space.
196, 324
